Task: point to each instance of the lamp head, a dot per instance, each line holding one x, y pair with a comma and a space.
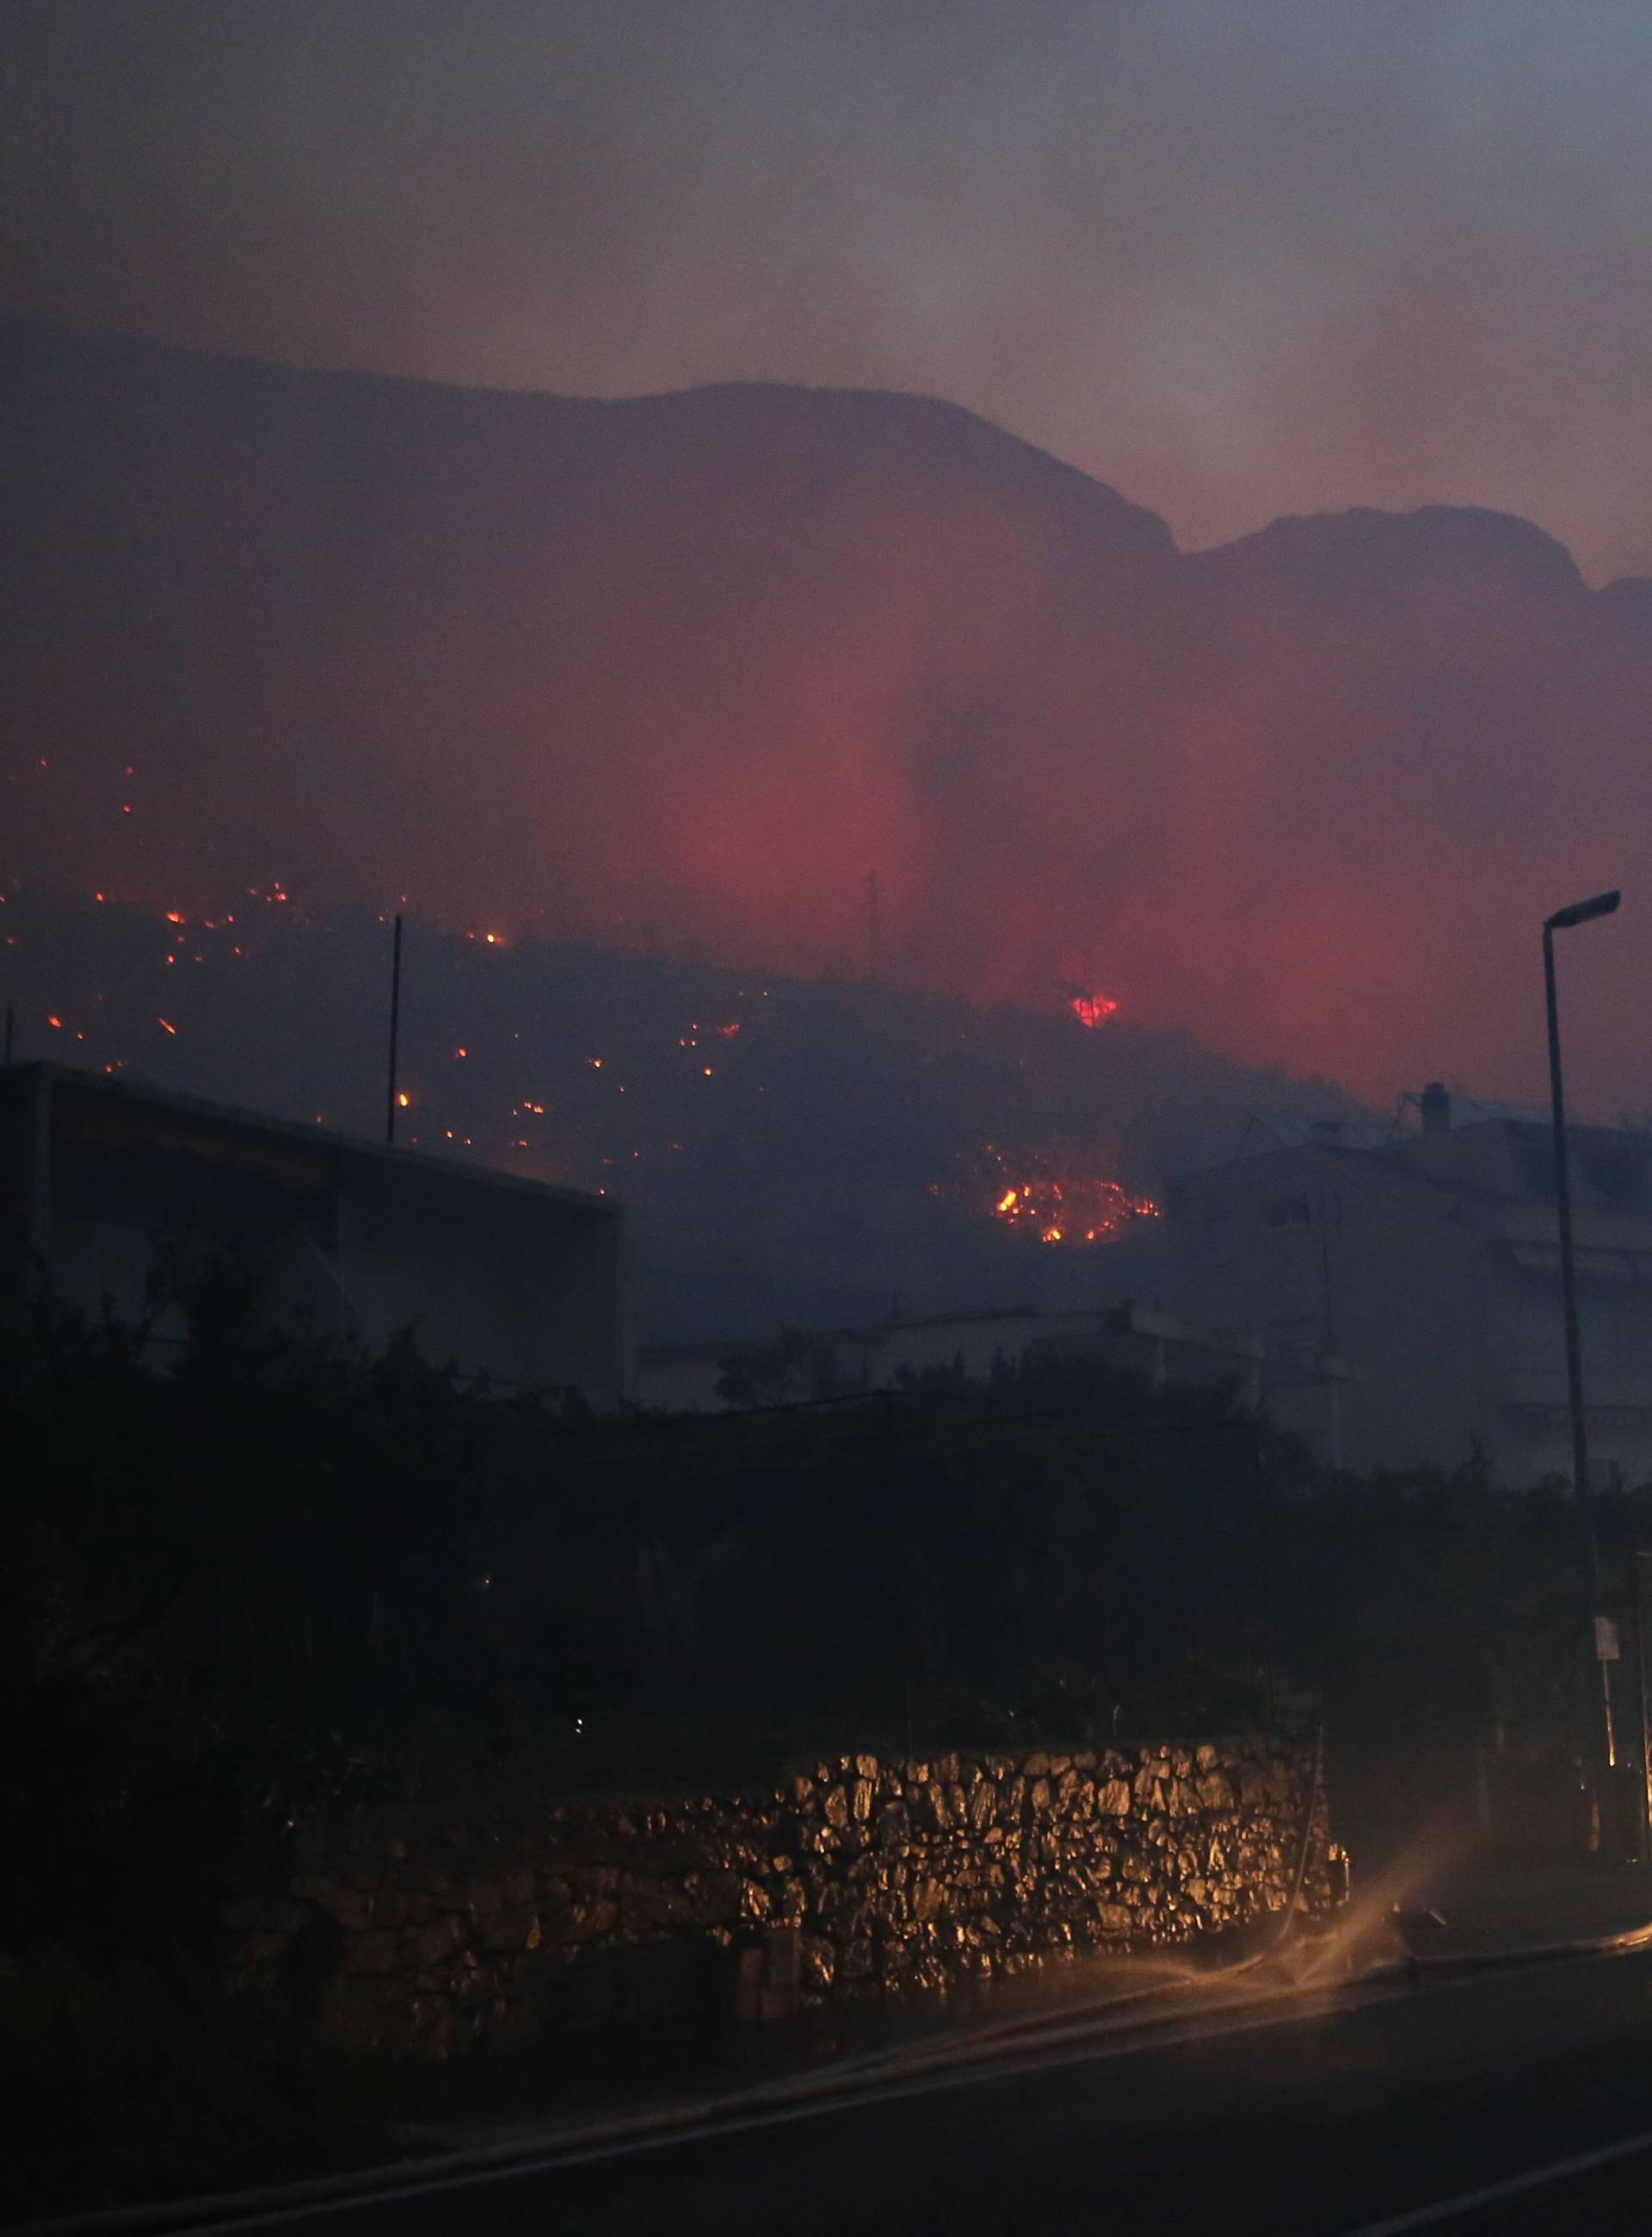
1581, 912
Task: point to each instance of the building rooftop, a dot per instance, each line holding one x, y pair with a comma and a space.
138, 1099
1496, 1154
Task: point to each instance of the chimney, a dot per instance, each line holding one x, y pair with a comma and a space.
1435, 1107
1327, 1134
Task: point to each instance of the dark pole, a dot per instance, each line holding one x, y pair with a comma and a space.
1642, 1620
11, 1019
395, 1033
1567, 1263
1579, 913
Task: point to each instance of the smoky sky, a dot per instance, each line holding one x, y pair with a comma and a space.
1238, 259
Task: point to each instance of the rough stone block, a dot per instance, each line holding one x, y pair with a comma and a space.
585, 1921
242, 1953
375, 1951
513, 1927
348, 1907
253, 1914
436, 1944
400, 1906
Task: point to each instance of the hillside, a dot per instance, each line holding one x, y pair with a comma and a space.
690, 668
789, 1151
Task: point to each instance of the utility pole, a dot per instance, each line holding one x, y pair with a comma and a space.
395, 1034
1643, 1656
1603, 1639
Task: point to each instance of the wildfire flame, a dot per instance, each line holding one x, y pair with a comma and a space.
1059, 1203
1091, 1009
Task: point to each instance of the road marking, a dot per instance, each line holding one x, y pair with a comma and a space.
1493, 2194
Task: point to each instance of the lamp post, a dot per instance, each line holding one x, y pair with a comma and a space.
1604, 1641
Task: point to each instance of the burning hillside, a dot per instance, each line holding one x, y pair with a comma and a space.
790, 1151
699, 669
1058, 1200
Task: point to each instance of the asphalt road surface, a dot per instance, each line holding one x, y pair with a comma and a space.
1514, 2101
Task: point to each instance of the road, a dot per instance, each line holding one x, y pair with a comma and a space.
1382, 2110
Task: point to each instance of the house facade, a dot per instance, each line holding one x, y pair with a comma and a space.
106, 1189
1429, 1263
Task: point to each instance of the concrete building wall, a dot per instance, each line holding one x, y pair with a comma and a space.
872, 1358
1431, 1265
508, 1286
842, 1363
104, 1190
1321, 1247
1132, 1338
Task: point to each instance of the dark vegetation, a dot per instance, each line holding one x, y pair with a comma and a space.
268, 1582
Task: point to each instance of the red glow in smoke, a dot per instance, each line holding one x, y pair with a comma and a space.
1203, 781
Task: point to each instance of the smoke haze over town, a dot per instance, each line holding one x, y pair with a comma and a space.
703, 668
825, 1118
789, 489
1288, 257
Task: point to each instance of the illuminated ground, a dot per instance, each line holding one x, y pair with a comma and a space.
1332, 2120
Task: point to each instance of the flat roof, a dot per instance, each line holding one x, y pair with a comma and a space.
1397, 1154
425, 1162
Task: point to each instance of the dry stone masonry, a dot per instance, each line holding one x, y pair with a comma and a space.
849, 1877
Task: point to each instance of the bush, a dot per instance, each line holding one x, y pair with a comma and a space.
127, 2087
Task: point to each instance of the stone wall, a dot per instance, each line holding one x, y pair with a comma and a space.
849, 1877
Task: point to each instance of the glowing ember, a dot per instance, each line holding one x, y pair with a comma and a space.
1091, 1009
1058, 1202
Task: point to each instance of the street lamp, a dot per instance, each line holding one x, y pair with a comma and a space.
1604, 1641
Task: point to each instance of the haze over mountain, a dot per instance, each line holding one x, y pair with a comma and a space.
691, 668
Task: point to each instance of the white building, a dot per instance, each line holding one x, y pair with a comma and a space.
1429, 1264
858, 1362
103, 1183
